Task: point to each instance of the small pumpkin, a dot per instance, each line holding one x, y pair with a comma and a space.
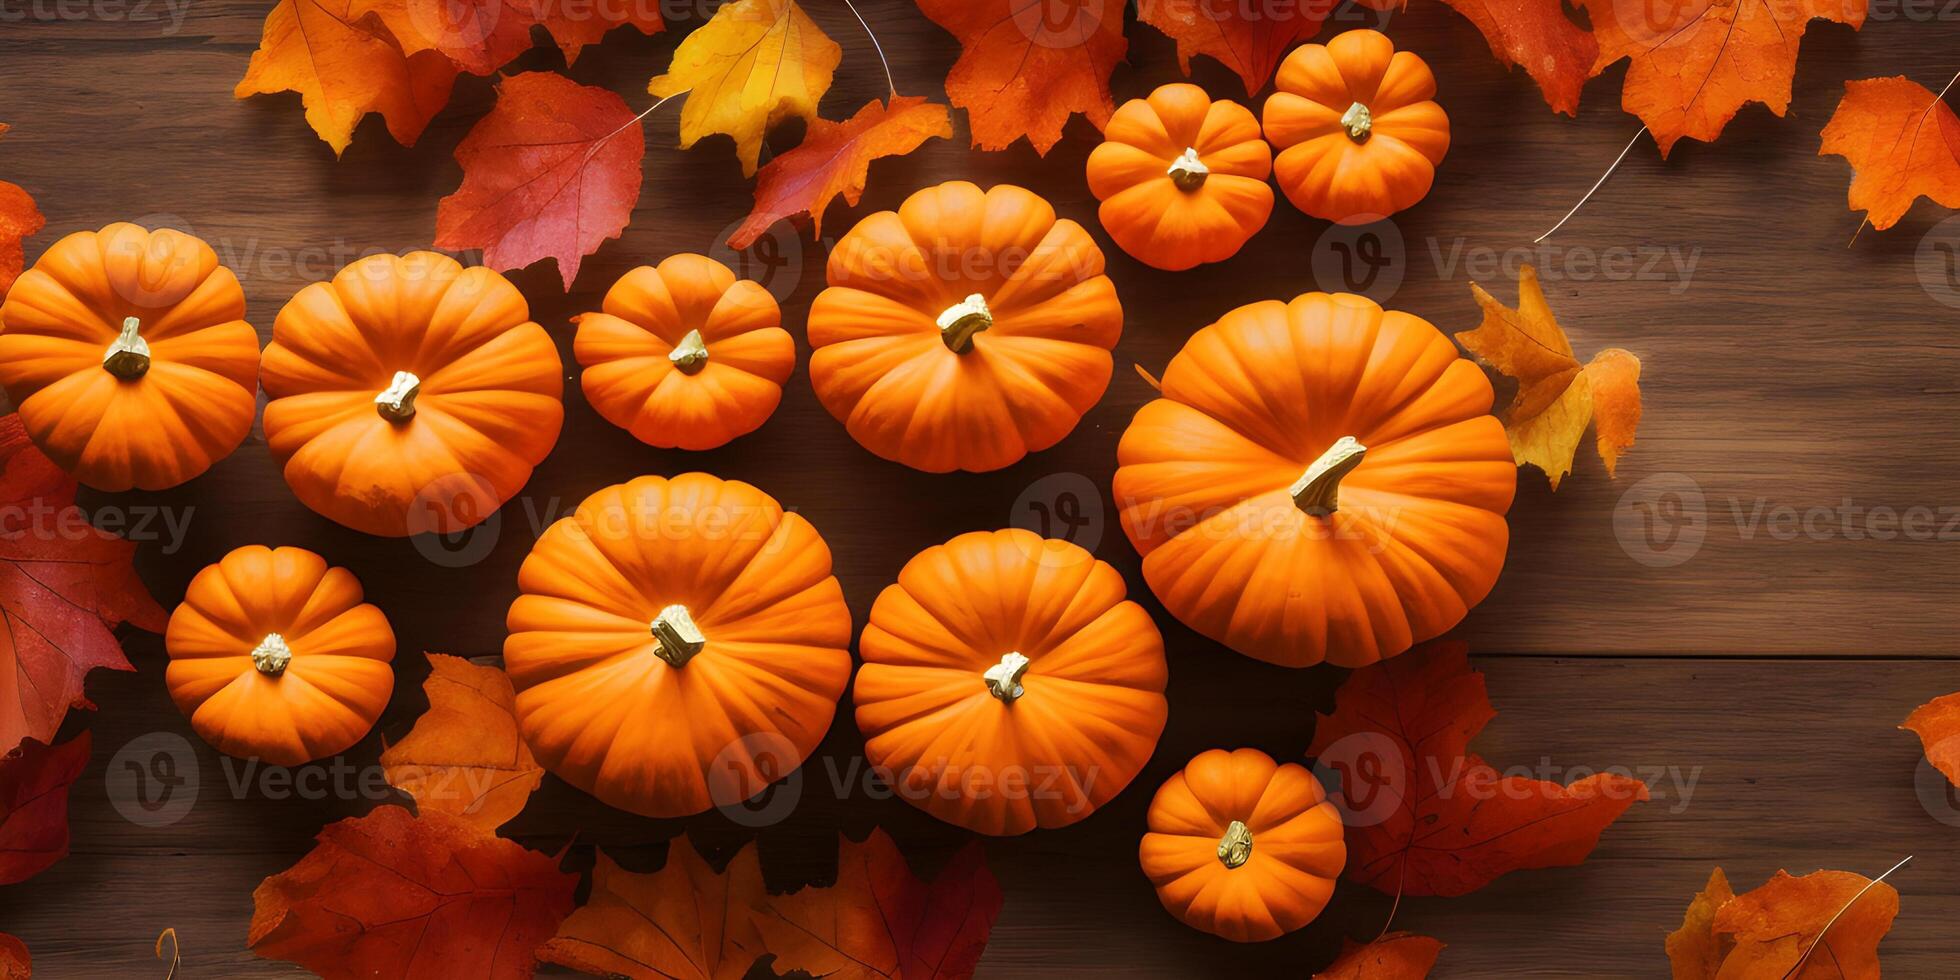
1357, 133
127, 355
1181, 178
1008, 684
677, 644
410, 394
684, 355
1320, 480
964, 330
274, 656
1242, 847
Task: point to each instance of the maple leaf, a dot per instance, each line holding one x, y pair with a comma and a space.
1249, 39
478, 36
15, 964
343, 70
552, 171
835, 158
411, 896
682, 921
573, 24
464, 756
1830, 920
64, 587
1438, 820
752, 65
1903, 143
1557, 397
1695, 950
1027, 65
1695, 63
1538, 36
19, 218
1395, 956
34, 781
1937, 723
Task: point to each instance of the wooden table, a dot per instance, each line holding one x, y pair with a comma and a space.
1755, 640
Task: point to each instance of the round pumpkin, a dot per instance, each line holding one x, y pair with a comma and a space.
1182, 179
684, 355
127, 355
1242, 847
677, 644
274, 656
964, 330
410, 394
1320, 480
1008, 684
1357, 133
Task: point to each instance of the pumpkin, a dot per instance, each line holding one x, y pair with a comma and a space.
1182, 179
1320, 480
964, 330
685, 356
127, 355
1357, 135
274, 656
1008, 684
1242, 847
410, 394
677, 644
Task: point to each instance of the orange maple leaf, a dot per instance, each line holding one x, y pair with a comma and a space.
1249, 39
1395, 956
1696, 62
1937, 723
684, 920
577, 23
479, 36
464, 756
835, 158
1831, 921
1903, 143
343, 68
1027, 65
1538, 36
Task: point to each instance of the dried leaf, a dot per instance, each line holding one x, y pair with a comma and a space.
1902, 142
479, 36
1538, 36
1937, 723
1395, 956
752, 65
835, 158
1695, 950
1027, 65
1762, 934
34, 781
1248, 38
682, 921
15, 964
344, 69
573, 24
19, 218
464, 756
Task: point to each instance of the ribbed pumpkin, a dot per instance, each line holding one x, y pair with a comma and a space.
1320, 480
274, 656
678, 644
964, 330
1182, 179
685, 355
1242, 847
410, 394
127, 355
1357, 135
1008, 684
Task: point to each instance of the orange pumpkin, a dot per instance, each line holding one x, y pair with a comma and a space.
1008, 684
1321, 479
1242, 847
1182, 179
410, 394
274, 656
127, 355
1357, 135
685, 356
678, 644
964, 330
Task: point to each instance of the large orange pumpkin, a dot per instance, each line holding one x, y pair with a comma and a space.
685, 355
1357, 133
1241, 847
678, 644
1182, 179
1320, 480
410, 394
1008, 684
127, 355
964, 330
274, 656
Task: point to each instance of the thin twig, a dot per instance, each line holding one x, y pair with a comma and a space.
1869, 885
892, 85
1595, 186
636, 119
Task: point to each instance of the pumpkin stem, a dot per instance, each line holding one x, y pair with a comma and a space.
397, 402
128, 356
1317, 489
1004, 678
1359, 122
690, 353
1235, 848
675, 637
272, 655
1187, 171
962, 320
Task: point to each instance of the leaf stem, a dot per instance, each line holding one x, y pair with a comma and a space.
1595, 187
1869, 885
880, 48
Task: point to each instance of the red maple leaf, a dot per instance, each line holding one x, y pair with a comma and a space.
835, 158
34, 781
1249, 38
1536, 35
1030, 64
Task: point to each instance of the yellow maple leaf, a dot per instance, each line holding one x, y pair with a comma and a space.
752, 65
1557, 396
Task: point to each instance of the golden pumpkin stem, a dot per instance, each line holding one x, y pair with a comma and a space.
397, 402
272, 655
1318, 489
1187, 171
675, 637
1358, 122
128, 356
1004, 678
690, 354
962, 320
1235, 848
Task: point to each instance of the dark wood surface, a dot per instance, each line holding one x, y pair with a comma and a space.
1789, 373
